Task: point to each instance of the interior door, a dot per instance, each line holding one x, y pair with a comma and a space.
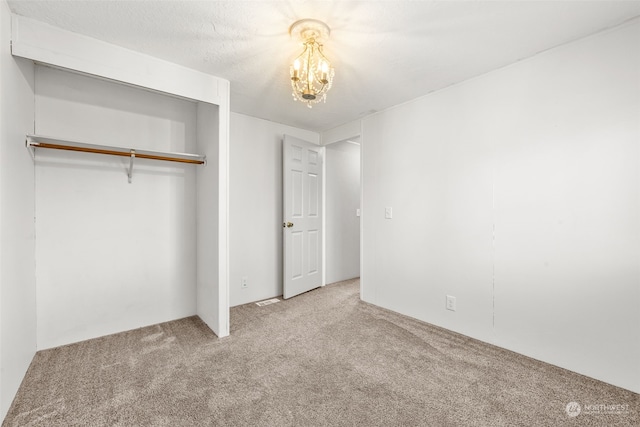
302, 210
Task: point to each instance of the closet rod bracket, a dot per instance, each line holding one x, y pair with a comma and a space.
31, 148
130, 172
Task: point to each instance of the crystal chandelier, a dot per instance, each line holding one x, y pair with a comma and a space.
311, 72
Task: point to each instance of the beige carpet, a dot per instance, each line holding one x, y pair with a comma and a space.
321, 359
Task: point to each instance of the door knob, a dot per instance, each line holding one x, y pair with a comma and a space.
289, 224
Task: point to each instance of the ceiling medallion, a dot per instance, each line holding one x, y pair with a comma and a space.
311, 72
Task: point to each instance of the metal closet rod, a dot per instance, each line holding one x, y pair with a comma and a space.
59, 144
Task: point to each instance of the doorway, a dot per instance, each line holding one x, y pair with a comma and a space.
342, 210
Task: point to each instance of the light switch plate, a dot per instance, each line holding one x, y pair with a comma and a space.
357, 212
388, 212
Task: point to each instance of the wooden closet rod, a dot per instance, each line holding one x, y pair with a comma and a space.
47, 142
138, 154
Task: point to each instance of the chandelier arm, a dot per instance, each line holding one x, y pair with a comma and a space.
322, 54
309, 64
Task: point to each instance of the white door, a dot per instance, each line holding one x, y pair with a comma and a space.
302, 210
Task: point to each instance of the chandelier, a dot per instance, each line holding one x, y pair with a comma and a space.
311, 72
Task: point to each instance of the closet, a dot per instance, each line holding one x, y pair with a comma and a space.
130, 156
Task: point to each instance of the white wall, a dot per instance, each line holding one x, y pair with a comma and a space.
518, 192
17, 252
112, 256
255, 206
346, 131
207, 214
342, 199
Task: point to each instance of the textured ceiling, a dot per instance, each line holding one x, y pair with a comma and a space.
384, 52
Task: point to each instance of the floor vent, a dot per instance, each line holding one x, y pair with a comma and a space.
267, 302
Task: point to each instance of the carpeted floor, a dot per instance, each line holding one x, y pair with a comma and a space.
321, 359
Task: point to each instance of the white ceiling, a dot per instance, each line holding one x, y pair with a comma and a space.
384, 52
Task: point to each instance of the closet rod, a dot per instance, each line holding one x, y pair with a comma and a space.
46, 142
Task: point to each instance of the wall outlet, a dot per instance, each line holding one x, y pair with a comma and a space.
244, 283
451, 303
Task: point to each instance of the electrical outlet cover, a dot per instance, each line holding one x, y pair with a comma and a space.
451, 303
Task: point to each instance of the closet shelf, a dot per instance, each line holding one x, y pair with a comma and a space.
37, 141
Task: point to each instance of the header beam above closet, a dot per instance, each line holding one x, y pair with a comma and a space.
46, 44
